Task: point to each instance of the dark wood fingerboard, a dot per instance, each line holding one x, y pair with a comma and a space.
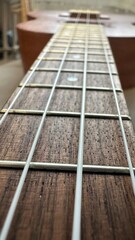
46, 204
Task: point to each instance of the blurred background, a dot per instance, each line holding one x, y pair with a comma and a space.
12, 11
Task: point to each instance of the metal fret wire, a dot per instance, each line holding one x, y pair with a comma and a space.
11, 212
74, 41
73, 87
66, 114
79, 46
12, 164
79, 52
81, 38
76, 231
74, 60
43, 54
73, 71
120, 118
92, 42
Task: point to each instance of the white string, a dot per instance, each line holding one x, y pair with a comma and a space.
76, 231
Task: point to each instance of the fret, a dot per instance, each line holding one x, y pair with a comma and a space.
74, 59
77, 38
79, 46
78, 52
96, 43
39, 85
66, 167
93, 28
72, 71
65, 114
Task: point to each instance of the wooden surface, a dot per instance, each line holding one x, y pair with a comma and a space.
124, 54
107, 212
45, 209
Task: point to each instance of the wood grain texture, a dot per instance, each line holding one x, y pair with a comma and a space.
69, 101
97, 80
45, 208
48, 197
59, 140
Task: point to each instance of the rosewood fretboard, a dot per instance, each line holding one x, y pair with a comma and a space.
68, 111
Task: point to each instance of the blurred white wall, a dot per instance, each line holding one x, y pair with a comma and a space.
104, 5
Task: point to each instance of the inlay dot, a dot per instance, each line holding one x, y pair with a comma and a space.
72, 79
77, 56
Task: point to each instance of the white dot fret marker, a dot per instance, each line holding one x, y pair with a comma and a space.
77, 56
66, 34
80, 41
72, 79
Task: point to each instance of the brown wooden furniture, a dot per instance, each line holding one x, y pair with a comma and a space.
45, 128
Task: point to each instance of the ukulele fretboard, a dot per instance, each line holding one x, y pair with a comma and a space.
67, 145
